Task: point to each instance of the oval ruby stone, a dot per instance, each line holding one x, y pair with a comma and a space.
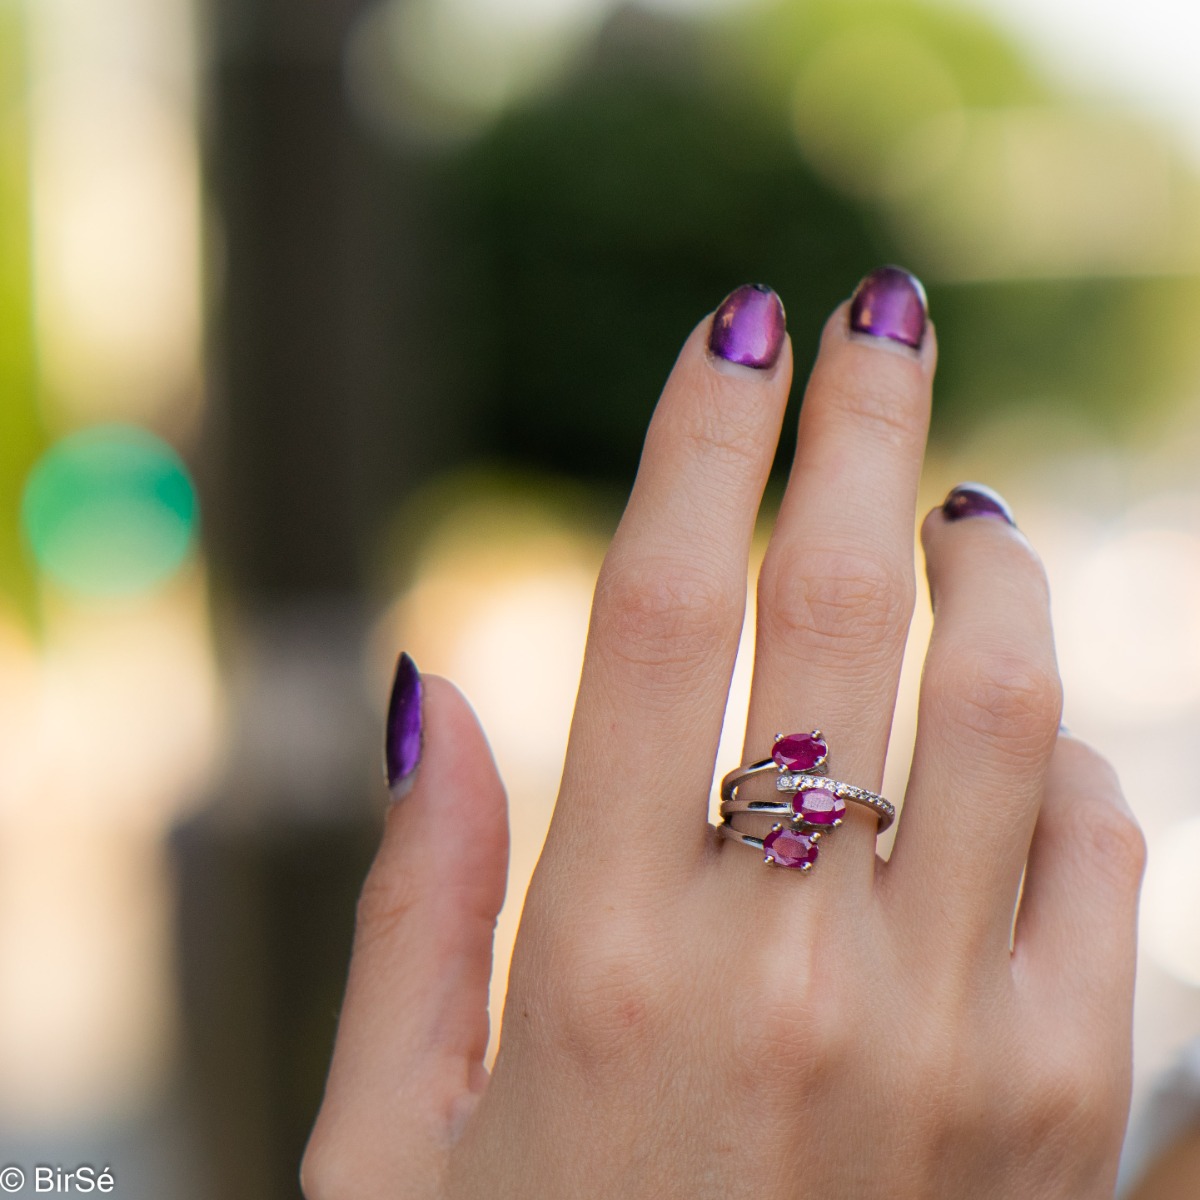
799, 751
790, 848
818, 806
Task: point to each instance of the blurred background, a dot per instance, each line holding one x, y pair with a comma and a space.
331, 329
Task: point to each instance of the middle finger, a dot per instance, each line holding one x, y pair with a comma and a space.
835, 594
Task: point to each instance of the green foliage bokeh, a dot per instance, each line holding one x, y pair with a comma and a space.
21, 433
601, 220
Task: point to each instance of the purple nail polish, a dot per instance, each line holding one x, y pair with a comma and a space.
402, 745
976, 500
890, 303
749, 327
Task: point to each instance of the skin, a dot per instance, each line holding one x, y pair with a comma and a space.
1176, 1175
683, 1021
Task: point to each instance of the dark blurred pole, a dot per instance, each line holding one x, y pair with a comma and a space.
299, 463
301, 349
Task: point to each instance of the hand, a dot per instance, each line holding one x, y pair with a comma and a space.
683, 1020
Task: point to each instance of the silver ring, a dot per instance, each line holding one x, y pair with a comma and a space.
825, 814
814, 803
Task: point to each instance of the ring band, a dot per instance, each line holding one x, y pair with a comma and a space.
797, 785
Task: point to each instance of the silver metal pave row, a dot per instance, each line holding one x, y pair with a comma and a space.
793, 782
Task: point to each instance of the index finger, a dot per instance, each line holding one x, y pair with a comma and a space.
669, 603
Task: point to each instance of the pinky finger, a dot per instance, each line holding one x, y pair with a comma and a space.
1076, 933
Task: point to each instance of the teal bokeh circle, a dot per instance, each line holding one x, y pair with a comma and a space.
110, 511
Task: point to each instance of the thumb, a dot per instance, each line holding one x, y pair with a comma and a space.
408, 1061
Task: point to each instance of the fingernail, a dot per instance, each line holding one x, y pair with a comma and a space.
402, 742
749, 327
890, 303
976, 500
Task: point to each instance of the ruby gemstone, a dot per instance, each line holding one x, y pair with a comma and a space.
790, 848
799, 751
818, 806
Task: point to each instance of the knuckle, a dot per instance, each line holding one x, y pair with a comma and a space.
836, 602
782, 1064
613, 1006
386, 900
881, 401
657, 614
966, 1105
721, 433
1102, 827
1007, 699
1113, 843
1012, 1098
1065, 1097
796, 998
